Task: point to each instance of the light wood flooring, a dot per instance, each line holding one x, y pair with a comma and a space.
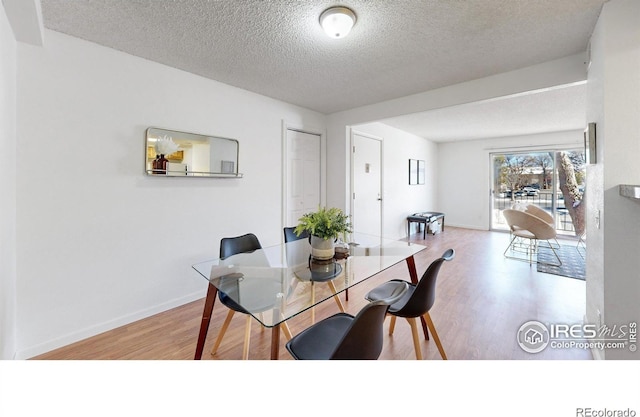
482, 299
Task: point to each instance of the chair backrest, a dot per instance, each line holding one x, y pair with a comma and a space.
424, 295
239, 244
540, 212
230, 246
290, 235
365, 336
517, 219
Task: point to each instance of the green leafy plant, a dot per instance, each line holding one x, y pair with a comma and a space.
327, 223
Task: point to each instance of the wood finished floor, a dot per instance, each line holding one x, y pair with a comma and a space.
481, 301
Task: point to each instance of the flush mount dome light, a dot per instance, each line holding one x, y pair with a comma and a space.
337, 21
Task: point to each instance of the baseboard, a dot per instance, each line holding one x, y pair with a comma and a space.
457, 225
465, 226
70, 338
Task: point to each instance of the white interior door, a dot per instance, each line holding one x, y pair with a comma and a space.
303, 175
366, 184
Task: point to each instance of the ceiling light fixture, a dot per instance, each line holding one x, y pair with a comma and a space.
337, 21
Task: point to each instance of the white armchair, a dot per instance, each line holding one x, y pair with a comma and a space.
526, 231
540, 213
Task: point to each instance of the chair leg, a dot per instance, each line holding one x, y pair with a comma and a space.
247, 338
516, 245
223, 329
556, 255
416, 339
581, 244
286, 330
509, 247
313, 301
332, 287
550, 245
392, 325
435, 335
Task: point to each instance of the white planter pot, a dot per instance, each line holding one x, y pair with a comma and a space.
322, 249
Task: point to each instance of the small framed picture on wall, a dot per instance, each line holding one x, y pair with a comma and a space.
416, 171
413, 171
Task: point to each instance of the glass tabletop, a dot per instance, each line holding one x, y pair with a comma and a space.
274, 283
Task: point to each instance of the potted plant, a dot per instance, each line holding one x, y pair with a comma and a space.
324, 226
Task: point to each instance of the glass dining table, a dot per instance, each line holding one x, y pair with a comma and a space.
276, 283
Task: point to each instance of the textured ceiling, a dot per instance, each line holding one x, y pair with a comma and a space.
551, 110
277, 48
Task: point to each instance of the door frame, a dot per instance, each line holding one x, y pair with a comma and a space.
352, 133
286, 127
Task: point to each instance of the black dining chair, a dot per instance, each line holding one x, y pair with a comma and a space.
316, 274
416, 302
291, 236
343, 336
231, 246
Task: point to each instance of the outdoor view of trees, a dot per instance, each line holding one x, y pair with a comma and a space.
569, 179
531, 176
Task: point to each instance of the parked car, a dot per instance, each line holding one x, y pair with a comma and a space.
530, 191
518, 193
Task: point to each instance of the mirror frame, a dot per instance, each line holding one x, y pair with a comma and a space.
188, 174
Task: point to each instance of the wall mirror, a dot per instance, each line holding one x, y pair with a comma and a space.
181, 154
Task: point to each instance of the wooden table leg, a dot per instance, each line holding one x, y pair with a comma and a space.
206, 318
413, 274
275, 342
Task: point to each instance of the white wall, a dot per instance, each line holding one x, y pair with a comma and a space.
464, 177
595, 180
100, 244
616, 84
399, 198
8, 187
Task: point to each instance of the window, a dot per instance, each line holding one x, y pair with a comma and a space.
553, 180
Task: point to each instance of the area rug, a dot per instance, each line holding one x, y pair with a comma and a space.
573, 264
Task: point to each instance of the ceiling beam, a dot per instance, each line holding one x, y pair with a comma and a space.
25, 17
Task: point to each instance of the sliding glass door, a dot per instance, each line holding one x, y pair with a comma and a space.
551, 179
